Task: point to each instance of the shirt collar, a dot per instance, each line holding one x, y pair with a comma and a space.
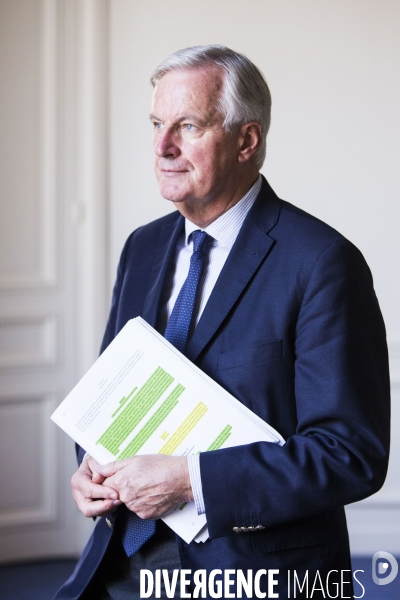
225, 229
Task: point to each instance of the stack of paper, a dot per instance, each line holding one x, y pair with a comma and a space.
142, 396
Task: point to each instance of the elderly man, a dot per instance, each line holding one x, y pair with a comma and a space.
279, 309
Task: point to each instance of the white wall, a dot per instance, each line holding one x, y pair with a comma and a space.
333, 148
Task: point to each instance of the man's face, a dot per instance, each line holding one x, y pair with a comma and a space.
195, 158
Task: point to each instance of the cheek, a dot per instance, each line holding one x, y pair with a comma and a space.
204, 160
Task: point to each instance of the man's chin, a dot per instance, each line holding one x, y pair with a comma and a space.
172, 194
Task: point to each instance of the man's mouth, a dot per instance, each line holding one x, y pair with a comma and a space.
172, 172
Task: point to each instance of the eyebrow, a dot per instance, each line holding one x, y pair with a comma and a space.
183, 118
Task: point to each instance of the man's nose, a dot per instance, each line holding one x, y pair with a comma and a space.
166, 145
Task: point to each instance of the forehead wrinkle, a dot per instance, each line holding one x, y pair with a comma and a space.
192, 93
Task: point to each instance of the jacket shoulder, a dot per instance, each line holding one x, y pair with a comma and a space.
307, 227
155, 227
145, 237
304, 242
285, 221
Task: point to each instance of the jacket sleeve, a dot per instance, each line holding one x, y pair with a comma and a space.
339, 451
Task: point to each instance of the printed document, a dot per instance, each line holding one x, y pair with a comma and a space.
142, 396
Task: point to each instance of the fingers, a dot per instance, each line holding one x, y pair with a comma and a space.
97, 478
92, 499
92, 507
111, 468
91, 464
97, 508
84, 486
150, 485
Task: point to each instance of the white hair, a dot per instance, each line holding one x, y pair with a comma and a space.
245, 95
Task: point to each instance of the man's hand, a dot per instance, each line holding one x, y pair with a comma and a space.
93, 498
150, 485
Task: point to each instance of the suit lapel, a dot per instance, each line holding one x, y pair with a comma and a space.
164, 255
249, 251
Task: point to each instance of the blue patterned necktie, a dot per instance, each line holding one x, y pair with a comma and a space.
180, 322
137, 531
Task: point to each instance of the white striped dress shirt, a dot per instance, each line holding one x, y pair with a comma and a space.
223, 232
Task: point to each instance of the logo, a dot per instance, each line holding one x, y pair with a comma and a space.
384, 564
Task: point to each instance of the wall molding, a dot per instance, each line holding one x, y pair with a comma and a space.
46, 511
44, 275
48, 118
92, 22
28, 341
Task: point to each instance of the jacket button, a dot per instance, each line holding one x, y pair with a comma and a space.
244, 529
109, 523
236, 529
259, 527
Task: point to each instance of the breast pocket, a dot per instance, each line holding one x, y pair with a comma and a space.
250, 355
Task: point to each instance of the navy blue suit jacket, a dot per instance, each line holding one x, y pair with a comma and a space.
294, 331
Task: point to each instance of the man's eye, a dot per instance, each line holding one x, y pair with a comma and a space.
157, 125
188, 127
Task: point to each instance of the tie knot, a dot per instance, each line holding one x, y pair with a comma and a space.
200, 240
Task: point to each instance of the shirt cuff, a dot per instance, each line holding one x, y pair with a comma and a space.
195, 480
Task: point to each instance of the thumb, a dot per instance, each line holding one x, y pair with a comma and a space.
110, 468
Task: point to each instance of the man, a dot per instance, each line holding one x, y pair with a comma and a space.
283, 315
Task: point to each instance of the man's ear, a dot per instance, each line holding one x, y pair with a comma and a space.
249, 140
